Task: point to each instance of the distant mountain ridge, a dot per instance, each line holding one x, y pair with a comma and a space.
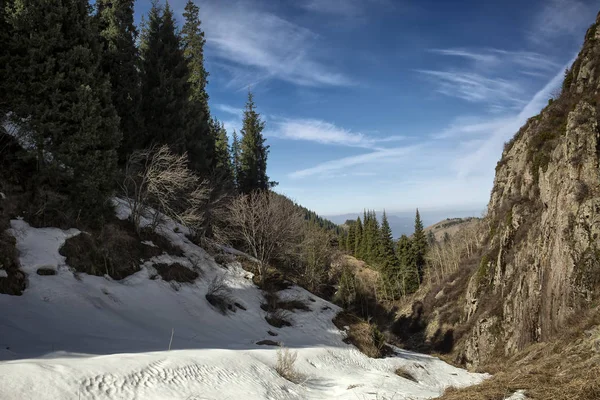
402, 222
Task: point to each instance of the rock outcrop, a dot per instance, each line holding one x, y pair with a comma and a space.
540, 263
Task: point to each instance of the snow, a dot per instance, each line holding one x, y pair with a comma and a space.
90, 337
518, 395
3, 274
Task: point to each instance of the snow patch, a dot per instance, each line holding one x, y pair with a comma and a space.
90, 337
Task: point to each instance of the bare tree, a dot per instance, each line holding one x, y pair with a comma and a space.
315, 256
267, 224
158, 182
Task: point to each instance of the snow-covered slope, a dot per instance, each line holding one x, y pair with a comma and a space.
94, 338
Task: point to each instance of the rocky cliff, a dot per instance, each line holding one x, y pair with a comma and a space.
539, 263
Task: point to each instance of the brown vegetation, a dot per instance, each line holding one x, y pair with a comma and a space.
566, 368
115, 250
176, 272
364, 336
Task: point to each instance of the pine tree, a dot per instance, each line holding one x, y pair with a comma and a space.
371, 229
253, 152
389, 264
5, 35
165, 88
66, 99
235, 159
358, 239
200, 142
223, 165
351, 238
408, 275
121, 61
419, 247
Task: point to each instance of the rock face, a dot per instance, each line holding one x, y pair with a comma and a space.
542, 261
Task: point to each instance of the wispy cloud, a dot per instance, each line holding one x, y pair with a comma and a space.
325, 133
498, 58
560, 17
490, 148
229, 109
346, 162
250, 41
345, 8
474, 87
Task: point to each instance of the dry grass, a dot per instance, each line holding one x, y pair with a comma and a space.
567, 368
219, 296
278, 318
273, 303
364, 336
285, 365
403, 373
176, 272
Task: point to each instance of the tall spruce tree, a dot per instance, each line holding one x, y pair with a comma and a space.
358, 239
120, 60
408, 275
5, 35
253, 151
62, 99
165, 88
200, 142
419, 247
223, 163
351, 238
235, 159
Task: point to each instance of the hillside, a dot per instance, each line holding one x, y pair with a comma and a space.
449, 226
533, 280
66, 336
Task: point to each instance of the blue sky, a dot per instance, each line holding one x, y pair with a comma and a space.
382, 103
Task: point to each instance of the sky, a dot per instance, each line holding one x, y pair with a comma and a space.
387, 104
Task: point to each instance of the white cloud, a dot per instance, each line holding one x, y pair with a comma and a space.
346, 8
488, 152
560, 17
474, 87
251, 42
377, 156
230, 110
325, 133
499, 59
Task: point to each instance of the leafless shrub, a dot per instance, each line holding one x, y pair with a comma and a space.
278, 318
219, 295
267, 224
285, 365
158, 182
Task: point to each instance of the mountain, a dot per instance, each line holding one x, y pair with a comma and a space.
403, 222
524, 294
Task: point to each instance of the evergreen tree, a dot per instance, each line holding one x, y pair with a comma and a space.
358, 239
419, 247
408, 275
5, 35
430, 239
389, 264
351, 238
235, 159
60, 89
371, 229
201, 139
223, 165
165, 85
253, 152
120, 61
